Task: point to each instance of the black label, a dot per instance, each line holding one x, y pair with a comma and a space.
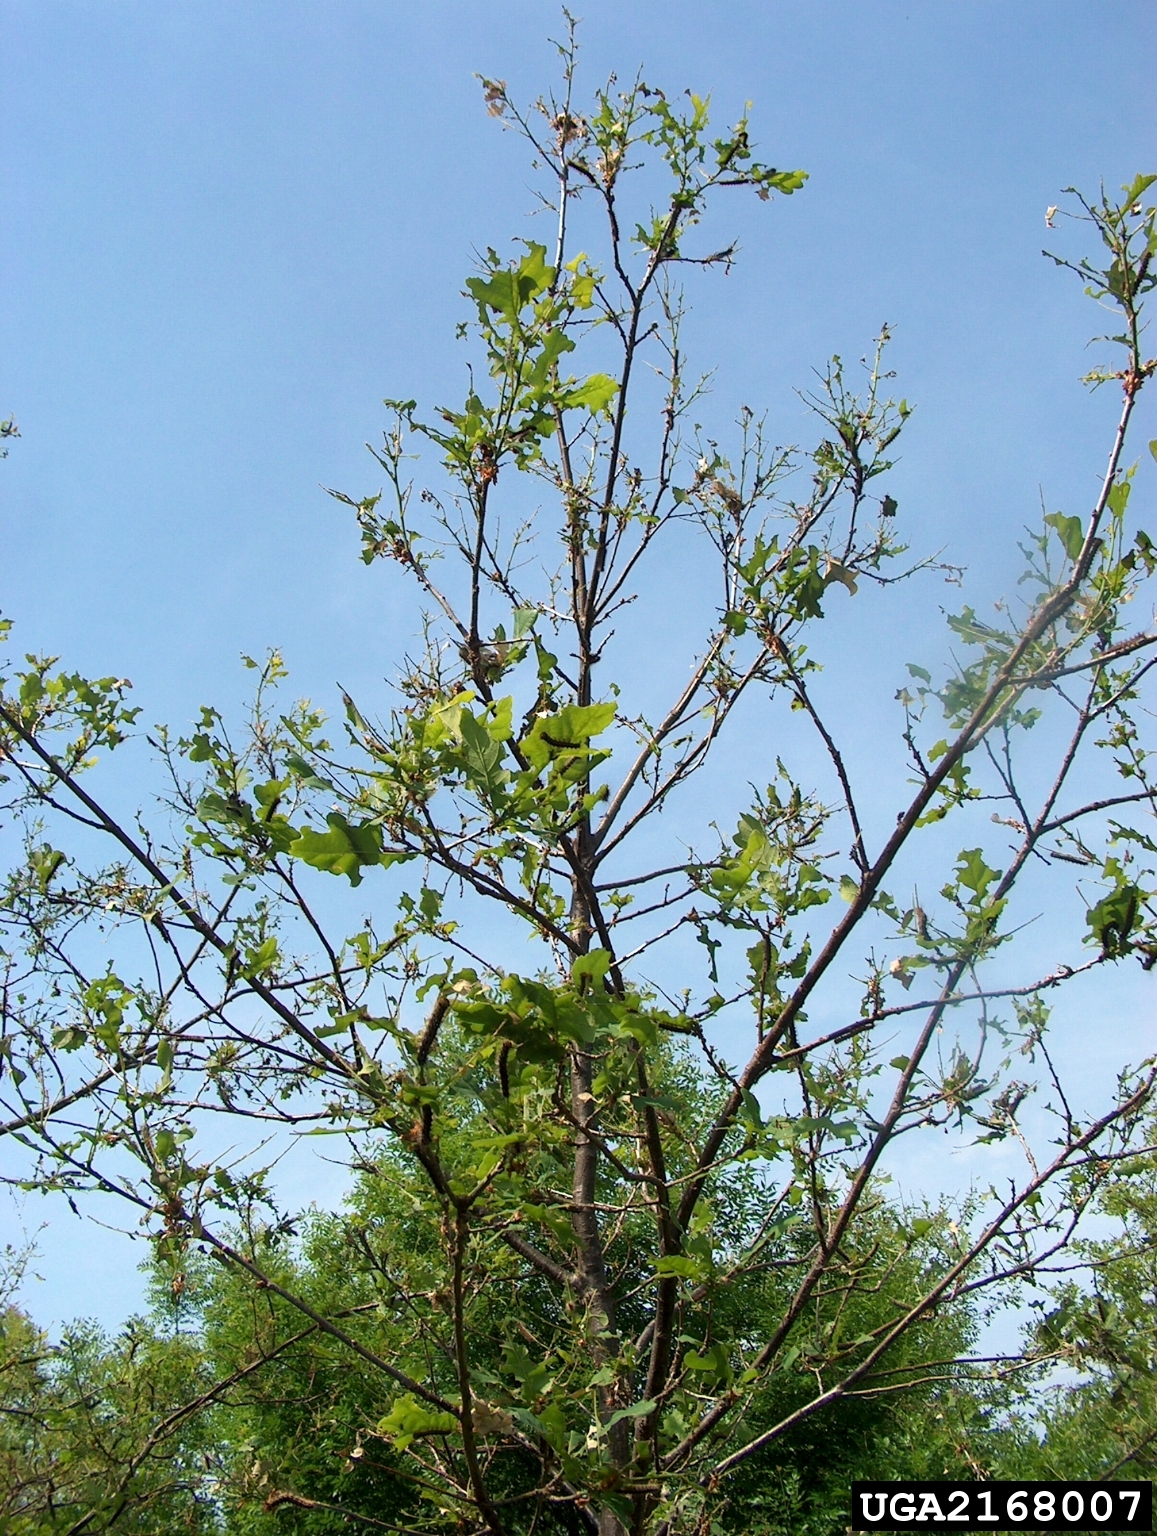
1002, 1506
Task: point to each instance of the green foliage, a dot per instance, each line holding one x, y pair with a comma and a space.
338, 1438
96, 1434
1101, 1329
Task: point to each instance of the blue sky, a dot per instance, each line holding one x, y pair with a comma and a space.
228, 230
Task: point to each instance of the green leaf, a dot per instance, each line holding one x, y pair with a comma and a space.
44, 863
262, 958
713, 1362
107, 998
408, 1418
1113, 918
343, 850
482, 757
675, 1266
751, 1113
305, 773
280, 833
551, 1218
499, 717
511, 289
1137, 188
1153, 446
444, 719
1069, 532
973, 873
594, 965
786, 182
228, 810
594, 394
637, 1026
268, 795
1118, 497
568, 730
635, 1411
849, 888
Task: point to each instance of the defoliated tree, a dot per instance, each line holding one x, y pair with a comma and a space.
566, 1351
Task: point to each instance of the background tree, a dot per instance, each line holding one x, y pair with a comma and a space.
644, 1243
1107, 1425
301, 1450
98, 1434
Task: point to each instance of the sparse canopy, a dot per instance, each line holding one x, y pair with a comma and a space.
616, 1242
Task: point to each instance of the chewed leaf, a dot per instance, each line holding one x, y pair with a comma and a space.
1069, 531
1113, 918
837, 572
594, 394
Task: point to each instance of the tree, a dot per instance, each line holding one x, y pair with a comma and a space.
302, 1450
642, 1247
99, 1435
1108, 1423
